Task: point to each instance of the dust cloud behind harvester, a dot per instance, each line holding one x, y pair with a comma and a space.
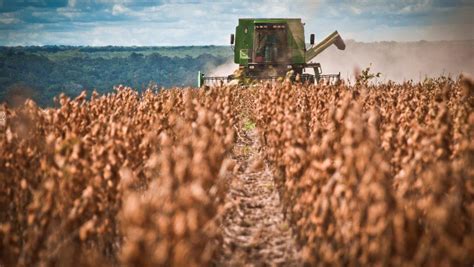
399, 61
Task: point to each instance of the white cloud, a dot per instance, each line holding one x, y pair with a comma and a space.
356, 11
118, 9
69, 12
71, 3
416, 7
9, 18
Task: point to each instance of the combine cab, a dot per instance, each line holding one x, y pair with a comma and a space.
269, 49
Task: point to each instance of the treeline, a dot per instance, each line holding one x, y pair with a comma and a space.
109, 48
26, 74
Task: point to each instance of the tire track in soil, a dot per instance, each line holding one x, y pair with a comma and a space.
255, 232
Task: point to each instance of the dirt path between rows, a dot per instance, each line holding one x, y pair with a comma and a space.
255, 231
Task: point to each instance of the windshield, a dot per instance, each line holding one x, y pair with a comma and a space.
270, 44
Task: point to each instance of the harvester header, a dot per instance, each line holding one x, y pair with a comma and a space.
275, 47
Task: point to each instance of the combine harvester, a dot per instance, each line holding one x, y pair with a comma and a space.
272, 49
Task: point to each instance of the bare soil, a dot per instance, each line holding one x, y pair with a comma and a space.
255, 231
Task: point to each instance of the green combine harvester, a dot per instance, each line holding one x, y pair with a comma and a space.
272, 49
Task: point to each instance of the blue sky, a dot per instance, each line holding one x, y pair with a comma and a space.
200, 22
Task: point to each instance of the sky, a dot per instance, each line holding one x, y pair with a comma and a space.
201, 22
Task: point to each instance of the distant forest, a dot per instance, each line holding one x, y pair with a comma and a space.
43, 72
